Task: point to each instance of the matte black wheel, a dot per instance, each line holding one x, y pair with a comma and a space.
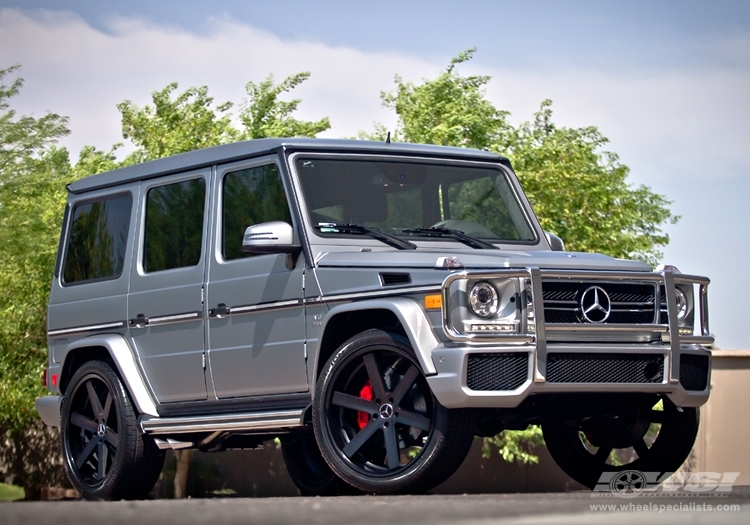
309, 471
106, 457
377, 423
651, 437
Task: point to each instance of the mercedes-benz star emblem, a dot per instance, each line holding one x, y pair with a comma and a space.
595, 305
101, 430
386, 411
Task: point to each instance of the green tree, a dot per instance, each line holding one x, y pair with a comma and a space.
175, 125
264, 115
578, 190
33, 174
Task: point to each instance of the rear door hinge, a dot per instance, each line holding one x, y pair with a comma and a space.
204, 361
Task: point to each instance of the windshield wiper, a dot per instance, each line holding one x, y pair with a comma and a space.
380, 235
455, 234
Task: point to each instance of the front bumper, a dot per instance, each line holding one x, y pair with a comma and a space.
450, 384
614, 358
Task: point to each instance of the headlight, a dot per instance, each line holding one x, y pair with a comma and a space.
682, 304
483, 299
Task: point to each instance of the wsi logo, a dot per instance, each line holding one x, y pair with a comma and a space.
633, 483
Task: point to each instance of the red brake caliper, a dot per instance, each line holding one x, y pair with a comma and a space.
366, 393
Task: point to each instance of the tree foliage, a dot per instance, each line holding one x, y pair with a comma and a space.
579, 190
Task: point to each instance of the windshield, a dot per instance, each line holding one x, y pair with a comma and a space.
394, 196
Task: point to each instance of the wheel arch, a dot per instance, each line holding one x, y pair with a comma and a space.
113, 348
401, 315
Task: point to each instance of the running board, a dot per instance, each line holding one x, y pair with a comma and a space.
252, 421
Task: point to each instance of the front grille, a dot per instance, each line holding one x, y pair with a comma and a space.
604, 368
629, 303
497, 371
694, 372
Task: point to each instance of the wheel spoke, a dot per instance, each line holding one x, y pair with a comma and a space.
111, 437
361, 438
96, 405
107, 408
405, 384
373, 373
84, 456
657, 416
602, 454
413, 419
355, 403
102, 454
83, 422
391, 447
640, 448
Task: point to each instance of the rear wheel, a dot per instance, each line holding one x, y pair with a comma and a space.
649, 437
377, 423
105, 455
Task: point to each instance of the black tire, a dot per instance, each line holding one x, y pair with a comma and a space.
377, 423
309, 471
105, 455
650, 440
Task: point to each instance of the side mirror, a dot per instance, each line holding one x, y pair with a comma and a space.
555, 242
271, 237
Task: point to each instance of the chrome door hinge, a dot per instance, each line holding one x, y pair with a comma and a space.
305, 347
204, 361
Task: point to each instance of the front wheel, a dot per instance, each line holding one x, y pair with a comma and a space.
654, 436
105, 455
377, 423
309, 471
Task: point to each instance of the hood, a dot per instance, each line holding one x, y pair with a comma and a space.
478, 260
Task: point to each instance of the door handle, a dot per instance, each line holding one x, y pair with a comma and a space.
139, 321
221, 310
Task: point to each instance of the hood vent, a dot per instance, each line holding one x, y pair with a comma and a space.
393, 279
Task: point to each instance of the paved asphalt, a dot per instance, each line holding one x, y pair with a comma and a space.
570, 508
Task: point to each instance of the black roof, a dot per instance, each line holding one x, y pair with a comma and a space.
251, 148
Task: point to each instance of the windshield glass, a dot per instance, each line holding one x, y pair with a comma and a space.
394, 196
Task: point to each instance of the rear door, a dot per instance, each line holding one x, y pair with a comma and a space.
165, 304
256, 323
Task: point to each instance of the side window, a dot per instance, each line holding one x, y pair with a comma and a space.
174, 225
97, 239
250, 196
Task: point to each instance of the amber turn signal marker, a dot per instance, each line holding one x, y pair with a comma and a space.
433, 301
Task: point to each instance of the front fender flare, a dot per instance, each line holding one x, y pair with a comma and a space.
412, 318
122, 355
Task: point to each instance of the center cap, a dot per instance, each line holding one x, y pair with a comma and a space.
101, 430
386, 411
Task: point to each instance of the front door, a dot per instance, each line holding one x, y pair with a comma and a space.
165, 305
256, 323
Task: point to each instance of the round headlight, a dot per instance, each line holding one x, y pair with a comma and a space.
483, 299
682, 304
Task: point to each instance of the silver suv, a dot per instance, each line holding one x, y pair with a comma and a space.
373, 305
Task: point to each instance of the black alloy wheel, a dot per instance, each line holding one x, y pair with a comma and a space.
651, 437
377, 423
105, 455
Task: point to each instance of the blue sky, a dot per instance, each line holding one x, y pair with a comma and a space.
667, 81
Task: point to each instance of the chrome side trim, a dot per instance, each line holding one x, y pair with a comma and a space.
378, 293
176, 318
84, 329
265, 306
229, 422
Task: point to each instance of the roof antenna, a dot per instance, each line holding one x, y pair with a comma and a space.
388, 138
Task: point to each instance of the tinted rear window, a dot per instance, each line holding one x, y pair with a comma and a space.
97, 239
